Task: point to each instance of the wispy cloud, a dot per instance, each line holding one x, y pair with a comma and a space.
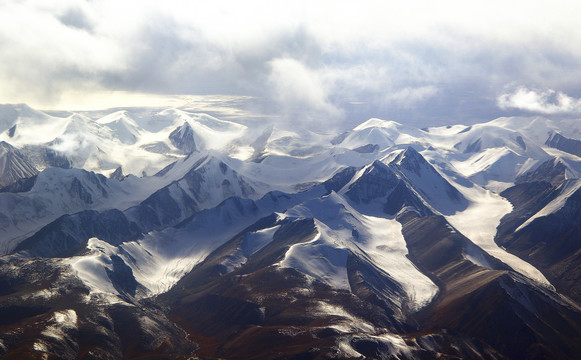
539, 101
409, 96
302, 93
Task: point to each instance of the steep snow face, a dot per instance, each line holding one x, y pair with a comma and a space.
344, 231
13, 166
485, 136
92, 268
479, 222
321, 258
123, 127
500, 165
566, 189
208, 178
428, 182
145, 142
491, 154
57, 192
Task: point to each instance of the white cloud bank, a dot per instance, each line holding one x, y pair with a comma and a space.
538, 101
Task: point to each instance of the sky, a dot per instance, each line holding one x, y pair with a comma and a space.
319, 63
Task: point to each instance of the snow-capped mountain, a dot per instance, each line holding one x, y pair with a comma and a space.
120, 139
170, 234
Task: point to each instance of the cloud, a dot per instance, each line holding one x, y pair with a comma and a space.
408, 96
538, 101
302, 93
418, 61
223, 106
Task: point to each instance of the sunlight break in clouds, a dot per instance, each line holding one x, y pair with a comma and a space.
537, 101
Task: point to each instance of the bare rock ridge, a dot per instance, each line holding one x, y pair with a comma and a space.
13, 166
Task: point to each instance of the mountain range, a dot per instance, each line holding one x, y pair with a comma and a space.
166, 234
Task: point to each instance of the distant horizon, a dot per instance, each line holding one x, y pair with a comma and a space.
242, 116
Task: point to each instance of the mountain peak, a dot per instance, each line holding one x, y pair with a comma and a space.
410, 159
183, 138
375, 181
374, 122
121, 116
117, 174
6, 146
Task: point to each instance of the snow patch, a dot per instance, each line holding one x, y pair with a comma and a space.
343, 230
251, 243
348, 321
92, 269
479, 222
388, 250
63, 321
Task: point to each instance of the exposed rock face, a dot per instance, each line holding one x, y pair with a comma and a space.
407, 181
560, 142
377, 181
48, 310
71, 232
497, 295
183, 138
13, 166
44, 157
193, 192
551, 171
117, 174
552, 243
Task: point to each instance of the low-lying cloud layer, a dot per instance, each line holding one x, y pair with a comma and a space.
324, 62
